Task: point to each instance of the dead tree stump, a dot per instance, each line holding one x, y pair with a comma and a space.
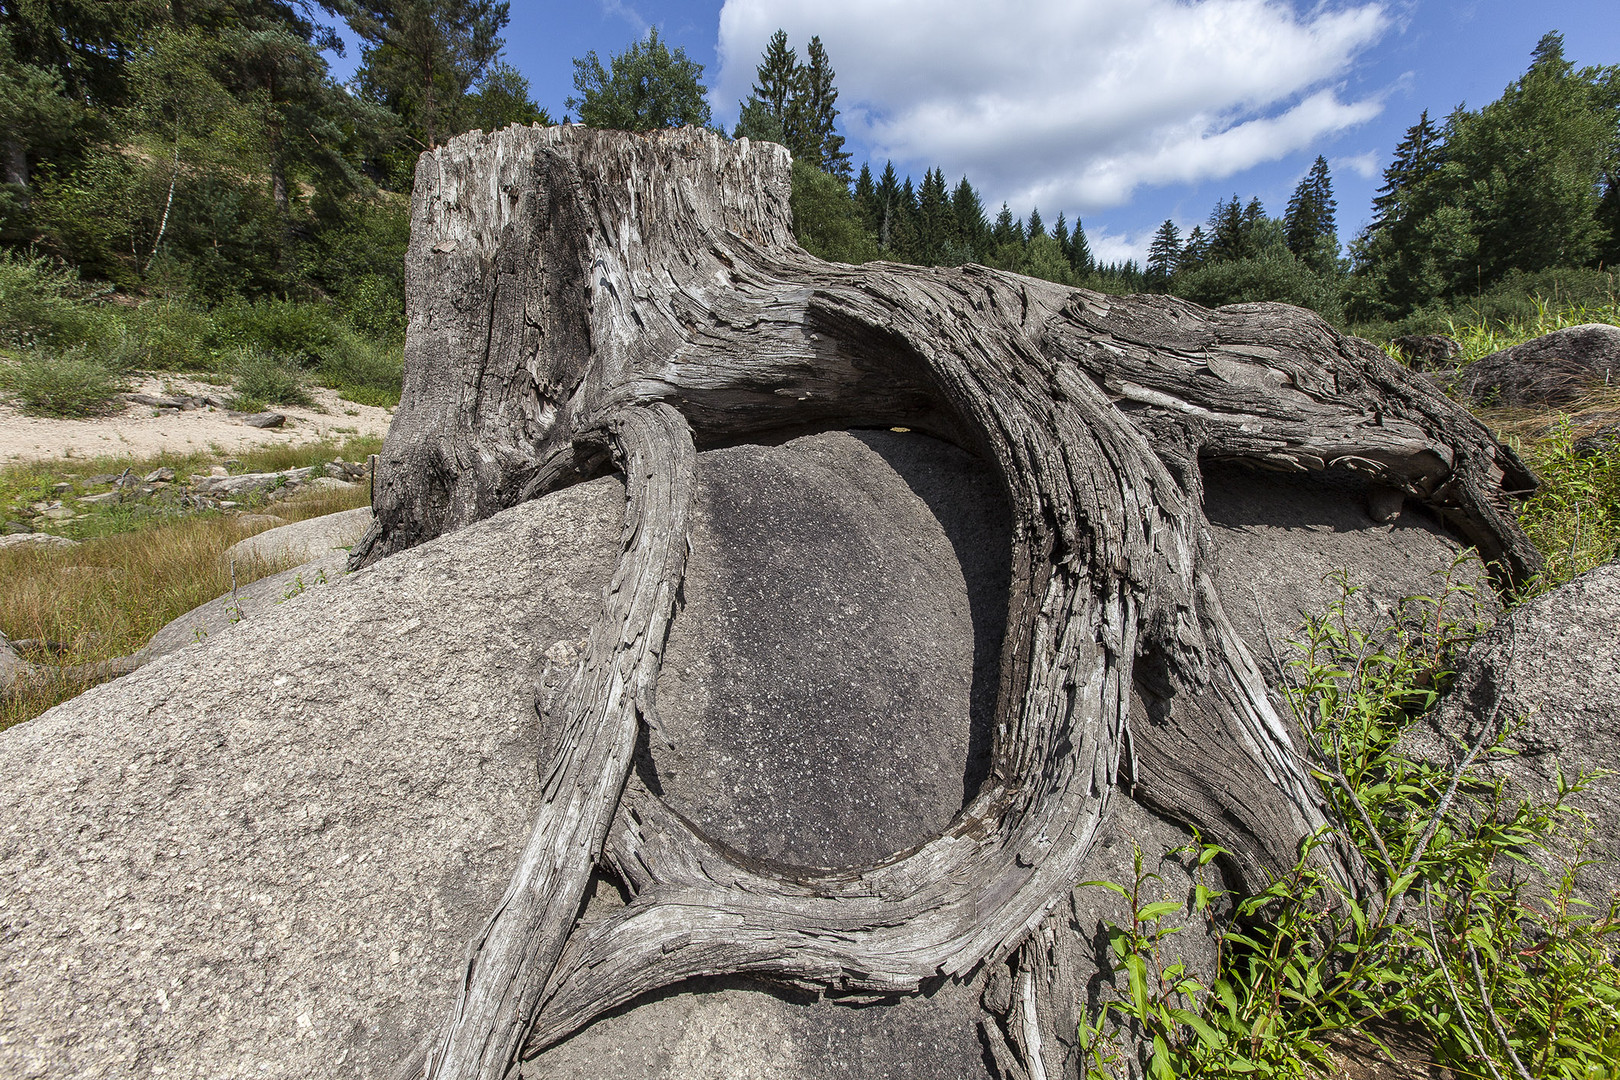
580, 300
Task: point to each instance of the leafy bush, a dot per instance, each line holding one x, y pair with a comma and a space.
1274, 274
826, 220
1451, 942
262, 378
367, 372
40, 305
300, 332
69, 384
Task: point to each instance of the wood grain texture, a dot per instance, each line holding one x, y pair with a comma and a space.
566, 282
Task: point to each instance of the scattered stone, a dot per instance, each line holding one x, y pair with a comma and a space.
242, 484
103, 499
1427, 352
265, 420
36, 540
102, 478
328, 483
59, 488
216, 470
164, 475
1554, 369
339, 469
303, 541
156, 401
59, 513
15, 528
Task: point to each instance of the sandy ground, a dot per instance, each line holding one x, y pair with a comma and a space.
140, 432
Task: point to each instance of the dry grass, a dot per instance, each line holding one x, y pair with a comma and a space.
106, 597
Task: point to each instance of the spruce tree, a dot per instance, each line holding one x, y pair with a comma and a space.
1037, 227
1163, 256
1196, 249
972, 229
1308, 225
1079, 251
778, 74
1417, 158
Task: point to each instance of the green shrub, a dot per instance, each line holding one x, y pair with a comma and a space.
170, 335
1451, 941
1274, 274
301, 332
75, 383
261, 378
40, 305
1574, 517
367, 372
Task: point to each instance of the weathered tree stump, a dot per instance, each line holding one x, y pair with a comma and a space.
579, 299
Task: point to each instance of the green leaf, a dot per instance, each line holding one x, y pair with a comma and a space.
1158, 910
1206, 1034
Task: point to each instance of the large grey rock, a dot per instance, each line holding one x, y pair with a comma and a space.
225, 613
1287, 544
264, 855
829, 687
1554, 369
1549, 675
304, 541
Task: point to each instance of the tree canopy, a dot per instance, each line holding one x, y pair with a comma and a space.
643, 88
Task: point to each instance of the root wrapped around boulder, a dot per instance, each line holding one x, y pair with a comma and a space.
583, 300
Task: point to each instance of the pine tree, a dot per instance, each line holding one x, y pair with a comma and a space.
866, 199
420, 57
1060, 233
1226, 232
888, 198
972, 230
1079, 251
1037, 227
1309, 222
1195, 251
1417, 158
1163, 255
644, 88
813, 115
778, 73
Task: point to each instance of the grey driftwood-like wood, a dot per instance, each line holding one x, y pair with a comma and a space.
578, 296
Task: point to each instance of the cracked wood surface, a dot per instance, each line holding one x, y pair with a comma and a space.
566, 281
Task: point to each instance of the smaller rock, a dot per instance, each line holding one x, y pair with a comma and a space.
265, 420
1384, 503
1599, 441
36, 540
156, 401
328, 483
1427, 352
1554, 369
59, 488
104, 498
102, 478
160, 476
60, 513
15, 528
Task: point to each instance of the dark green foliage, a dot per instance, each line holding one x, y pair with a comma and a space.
422, 56
1309, 223
1272, 274
644, 88
796, 104
1516, 186
1163, 256
262, 378
503, 100
74, 383
826, 220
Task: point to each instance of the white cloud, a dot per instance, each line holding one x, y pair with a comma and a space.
1363, 165
627, 13
1071, 104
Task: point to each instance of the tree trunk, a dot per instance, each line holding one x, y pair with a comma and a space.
568, 286
14, 164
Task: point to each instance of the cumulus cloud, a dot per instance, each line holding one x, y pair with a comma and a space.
1072, 103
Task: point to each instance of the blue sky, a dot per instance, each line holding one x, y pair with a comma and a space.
1120, 112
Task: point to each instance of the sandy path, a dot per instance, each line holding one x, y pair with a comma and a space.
139, 432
